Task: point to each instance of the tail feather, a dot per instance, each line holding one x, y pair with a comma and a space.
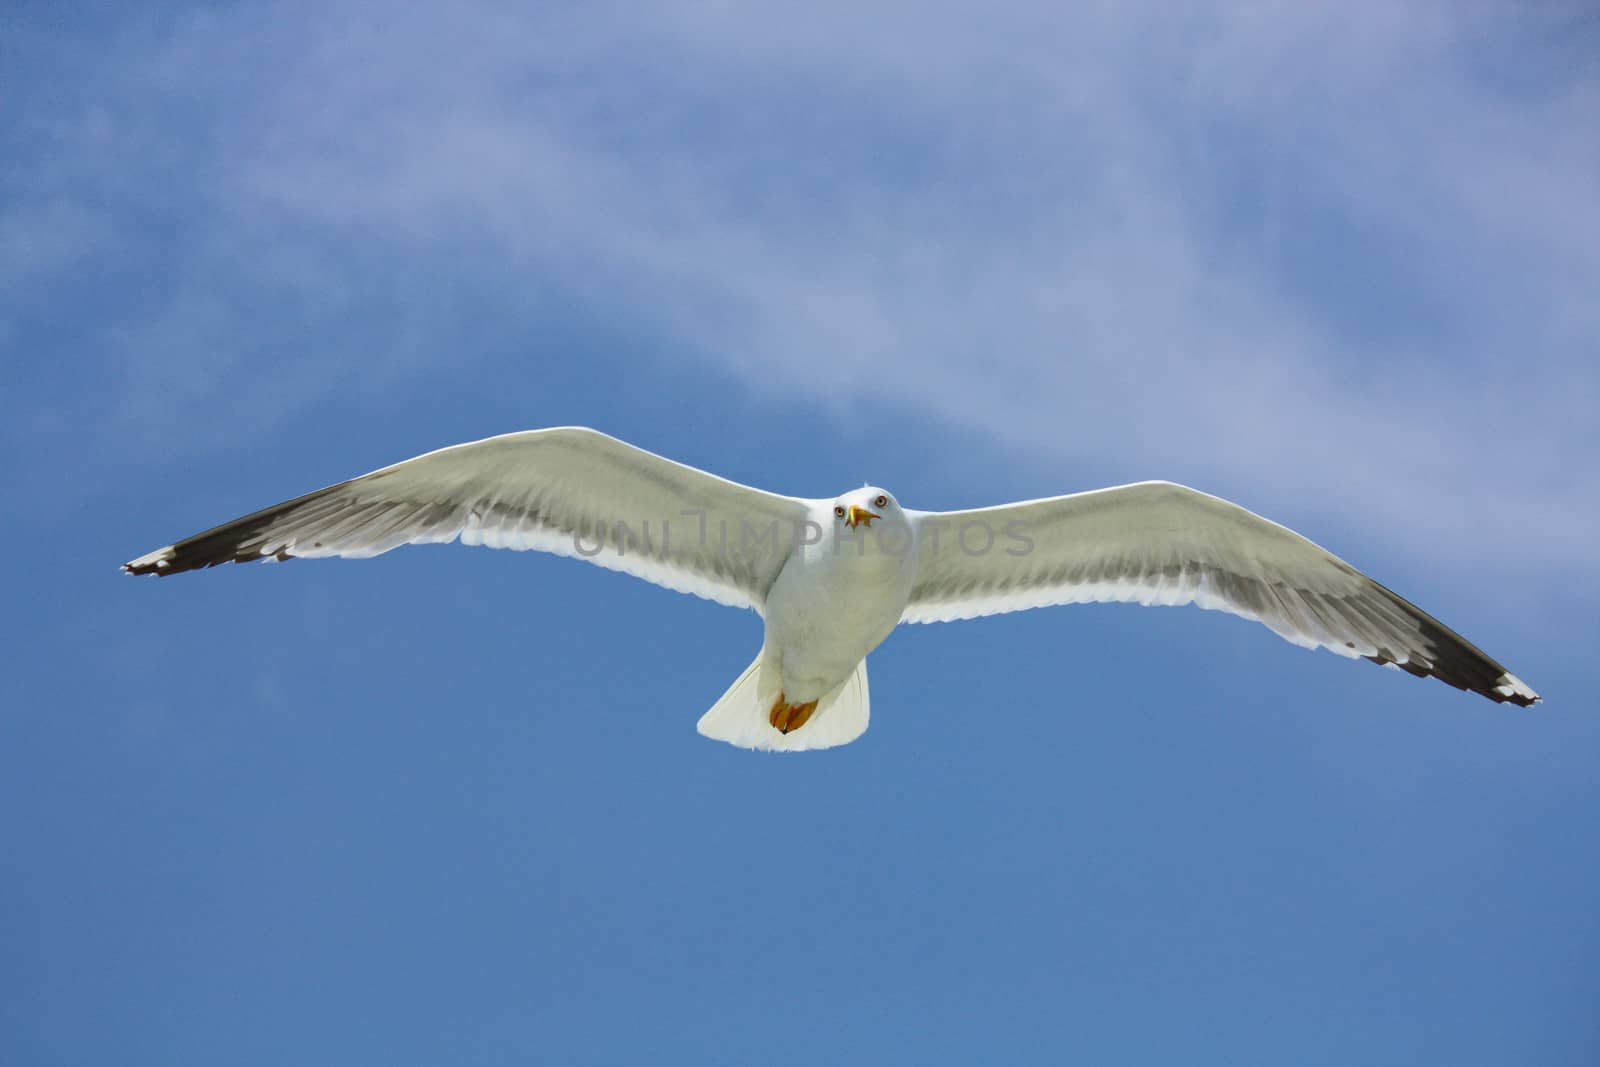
740, 716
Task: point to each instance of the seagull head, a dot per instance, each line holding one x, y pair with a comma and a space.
864, 505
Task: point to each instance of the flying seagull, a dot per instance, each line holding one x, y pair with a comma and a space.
831, 578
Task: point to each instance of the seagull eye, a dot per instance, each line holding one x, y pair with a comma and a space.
881, 502
838, 511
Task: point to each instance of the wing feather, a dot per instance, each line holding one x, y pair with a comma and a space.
569, 491
1160, 543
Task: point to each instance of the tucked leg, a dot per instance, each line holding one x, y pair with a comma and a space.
785, 716
799, 714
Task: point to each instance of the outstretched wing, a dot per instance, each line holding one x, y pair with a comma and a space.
1160, 543
571, 491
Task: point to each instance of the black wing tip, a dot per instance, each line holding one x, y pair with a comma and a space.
233, 542
1454, 660
1497, 683
228, 544
163, 566
174, 559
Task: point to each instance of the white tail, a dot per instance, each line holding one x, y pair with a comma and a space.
741, 716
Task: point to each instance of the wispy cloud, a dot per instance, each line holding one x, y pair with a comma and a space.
1348, 250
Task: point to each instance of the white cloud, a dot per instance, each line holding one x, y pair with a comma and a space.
1348, 250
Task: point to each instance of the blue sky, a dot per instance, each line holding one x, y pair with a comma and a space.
1337, 263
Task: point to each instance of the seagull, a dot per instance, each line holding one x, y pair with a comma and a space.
832, 578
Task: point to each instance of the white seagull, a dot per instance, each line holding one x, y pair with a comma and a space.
831, 578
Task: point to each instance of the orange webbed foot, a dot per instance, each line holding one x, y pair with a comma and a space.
785, 716
799, 714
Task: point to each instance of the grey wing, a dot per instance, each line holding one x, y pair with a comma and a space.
1160, 543
570, 491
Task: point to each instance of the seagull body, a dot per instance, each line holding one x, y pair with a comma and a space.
832, 578
811, 643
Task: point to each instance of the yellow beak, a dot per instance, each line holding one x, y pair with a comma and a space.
861, 517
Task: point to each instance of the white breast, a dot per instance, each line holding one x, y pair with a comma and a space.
836, 600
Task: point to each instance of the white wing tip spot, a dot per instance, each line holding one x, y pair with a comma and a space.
1509, 685
160, 559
